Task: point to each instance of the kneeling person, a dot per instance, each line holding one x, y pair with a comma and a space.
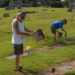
56, 25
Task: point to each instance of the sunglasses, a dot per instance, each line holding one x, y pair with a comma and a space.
23, 17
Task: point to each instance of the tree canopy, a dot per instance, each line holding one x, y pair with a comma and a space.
33, 2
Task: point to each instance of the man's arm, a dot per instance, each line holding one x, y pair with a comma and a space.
28, 30
64, 31
15, 25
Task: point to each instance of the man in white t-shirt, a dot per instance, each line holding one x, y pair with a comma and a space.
18, 37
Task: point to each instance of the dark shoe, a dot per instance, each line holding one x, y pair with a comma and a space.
19, 69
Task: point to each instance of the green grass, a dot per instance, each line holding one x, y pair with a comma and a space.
70, 73
36, 62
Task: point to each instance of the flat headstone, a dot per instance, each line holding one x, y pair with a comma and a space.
61, 45
53, 10
10, 57
46, 48
45, 9
64, 68
31, 12
7, 8
6, 15
13, 56
73, 62
64, 44
19, 7
69, 10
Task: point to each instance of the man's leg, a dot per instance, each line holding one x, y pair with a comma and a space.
17, 58
55, 38
53, 30
18, 49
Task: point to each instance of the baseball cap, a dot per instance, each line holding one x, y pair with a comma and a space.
22, 14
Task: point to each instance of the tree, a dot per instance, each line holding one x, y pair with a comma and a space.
34, 2
4, 3
15, 0
69, 3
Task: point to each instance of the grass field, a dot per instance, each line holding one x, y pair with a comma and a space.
70, 73
40, 61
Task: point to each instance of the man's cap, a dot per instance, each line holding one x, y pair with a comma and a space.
22, 13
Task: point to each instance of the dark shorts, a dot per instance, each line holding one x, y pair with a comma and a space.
18, 49
53, 30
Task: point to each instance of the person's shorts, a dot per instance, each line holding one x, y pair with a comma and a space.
18, 49
53, 30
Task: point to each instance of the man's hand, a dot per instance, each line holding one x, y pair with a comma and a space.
33, 32
65, 32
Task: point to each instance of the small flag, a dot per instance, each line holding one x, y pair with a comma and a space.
39, 35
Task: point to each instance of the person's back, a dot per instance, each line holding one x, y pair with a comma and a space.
57, 24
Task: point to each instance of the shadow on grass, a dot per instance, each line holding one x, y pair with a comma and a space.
9, 32
28, 72
31, 72
6, 32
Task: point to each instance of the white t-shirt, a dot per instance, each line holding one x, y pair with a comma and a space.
18, 39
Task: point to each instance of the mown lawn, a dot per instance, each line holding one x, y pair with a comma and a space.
70, 73
40, 61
